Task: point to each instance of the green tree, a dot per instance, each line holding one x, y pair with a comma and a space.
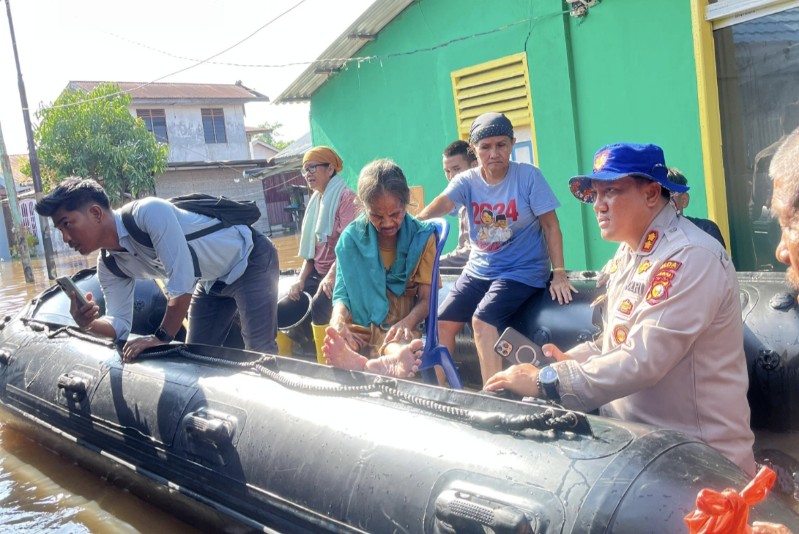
271, 136
93, 135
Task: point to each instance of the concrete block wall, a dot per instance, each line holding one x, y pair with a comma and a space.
226, 182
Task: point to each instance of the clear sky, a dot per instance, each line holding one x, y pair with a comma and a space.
148, 40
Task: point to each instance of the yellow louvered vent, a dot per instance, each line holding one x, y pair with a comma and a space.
500, 85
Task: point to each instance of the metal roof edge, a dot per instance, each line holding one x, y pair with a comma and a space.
364, 29
177, 165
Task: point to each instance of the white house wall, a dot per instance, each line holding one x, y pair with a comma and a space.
186, 137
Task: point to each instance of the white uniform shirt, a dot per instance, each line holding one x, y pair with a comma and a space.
671, 353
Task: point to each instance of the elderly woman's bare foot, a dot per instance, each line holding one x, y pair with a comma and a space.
403, 362
339, 354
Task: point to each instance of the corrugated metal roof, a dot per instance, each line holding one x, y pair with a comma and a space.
360, 32
188, 92
288, 159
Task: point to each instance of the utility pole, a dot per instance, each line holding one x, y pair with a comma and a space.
44, 224
20, 232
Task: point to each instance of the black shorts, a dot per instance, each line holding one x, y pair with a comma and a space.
491, 301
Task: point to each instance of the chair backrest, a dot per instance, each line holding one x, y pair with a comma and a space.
433, 353
431, 330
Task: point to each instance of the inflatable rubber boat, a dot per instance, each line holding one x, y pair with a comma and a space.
232, 440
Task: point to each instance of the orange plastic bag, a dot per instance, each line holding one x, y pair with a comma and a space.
728, 512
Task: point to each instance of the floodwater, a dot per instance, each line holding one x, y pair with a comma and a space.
41, 491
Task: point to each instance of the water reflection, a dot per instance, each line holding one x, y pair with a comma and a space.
41, 491
15, 292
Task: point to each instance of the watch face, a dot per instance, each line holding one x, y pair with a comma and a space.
548, 375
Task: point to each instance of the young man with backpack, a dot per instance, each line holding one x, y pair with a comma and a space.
211, 266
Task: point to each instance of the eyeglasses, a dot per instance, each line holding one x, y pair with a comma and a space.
311, 169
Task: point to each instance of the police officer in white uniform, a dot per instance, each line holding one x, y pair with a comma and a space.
671, 353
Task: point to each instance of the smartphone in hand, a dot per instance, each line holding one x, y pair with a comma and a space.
518, 348
66, 284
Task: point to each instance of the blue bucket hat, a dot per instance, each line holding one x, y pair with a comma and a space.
615, 161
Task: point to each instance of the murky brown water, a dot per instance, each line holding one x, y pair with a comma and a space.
41, 491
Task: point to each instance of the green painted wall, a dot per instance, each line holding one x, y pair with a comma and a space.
624, 73
635, 80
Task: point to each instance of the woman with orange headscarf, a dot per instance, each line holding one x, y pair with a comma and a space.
331, 208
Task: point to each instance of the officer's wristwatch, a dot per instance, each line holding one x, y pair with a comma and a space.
548, 383
163, 336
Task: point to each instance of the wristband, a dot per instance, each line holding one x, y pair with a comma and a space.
556, 269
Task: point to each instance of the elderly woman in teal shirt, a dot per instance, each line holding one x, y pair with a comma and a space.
383, 280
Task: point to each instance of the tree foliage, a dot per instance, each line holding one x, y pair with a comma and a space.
272, 137
93, 135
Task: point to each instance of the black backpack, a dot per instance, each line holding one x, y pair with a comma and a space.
228, 212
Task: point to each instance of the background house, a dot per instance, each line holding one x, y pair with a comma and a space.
709, 81
203, 124
285, 190
26, 200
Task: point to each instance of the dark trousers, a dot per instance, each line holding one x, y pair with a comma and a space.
253, 294
321, 304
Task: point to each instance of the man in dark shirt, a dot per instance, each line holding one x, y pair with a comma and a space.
681, 201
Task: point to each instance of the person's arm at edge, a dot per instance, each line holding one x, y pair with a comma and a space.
560, 288
299, 285
441, 205
176, 309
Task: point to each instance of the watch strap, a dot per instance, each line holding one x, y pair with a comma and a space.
162, 335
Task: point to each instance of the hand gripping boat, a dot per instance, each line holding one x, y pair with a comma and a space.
235, 440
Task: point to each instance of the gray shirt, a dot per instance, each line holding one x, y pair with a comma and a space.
222, 256
459, 256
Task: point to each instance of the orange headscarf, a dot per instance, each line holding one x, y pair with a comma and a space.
324, 154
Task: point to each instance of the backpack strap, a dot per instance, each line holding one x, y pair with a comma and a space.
143, 238
138, 235
111, 264
204, 232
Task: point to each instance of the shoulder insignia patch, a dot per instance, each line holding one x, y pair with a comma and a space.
614, 266
664, 275
620, 334
658, 291
649, 242
644, 267
670, 265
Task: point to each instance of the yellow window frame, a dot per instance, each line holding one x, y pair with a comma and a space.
501, 85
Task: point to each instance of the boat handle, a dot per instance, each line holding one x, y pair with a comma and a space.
74, 387
459, 512
213, 429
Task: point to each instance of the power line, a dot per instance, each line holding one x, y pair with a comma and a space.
197, 63
358, 59
343, 61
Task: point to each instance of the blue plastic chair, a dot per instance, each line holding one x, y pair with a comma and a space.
434, 353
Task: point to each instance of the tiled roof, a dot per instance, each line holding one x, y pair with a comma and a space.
189, 92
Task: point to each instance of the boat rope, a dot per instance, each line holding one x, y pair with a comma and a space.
39, 326
388, 387
543, 421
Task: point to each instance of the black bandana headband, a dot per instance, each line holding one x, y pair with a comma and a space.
490, 125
